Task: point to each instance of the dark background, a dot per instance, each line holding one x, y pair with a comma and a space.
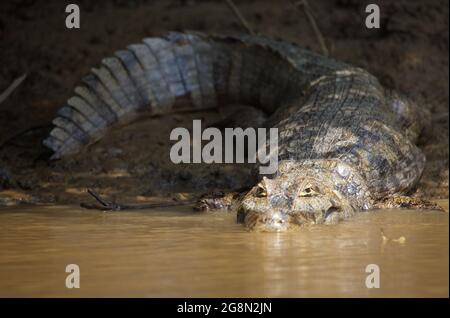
409, 52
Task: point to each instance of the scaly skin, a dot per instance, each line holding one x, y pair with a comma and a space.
345, 142
341, 151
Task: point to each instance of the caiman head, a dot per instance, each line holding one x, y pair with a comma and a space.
300, 194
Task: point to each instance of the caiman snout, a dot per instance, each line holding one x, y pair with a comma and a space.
269, 222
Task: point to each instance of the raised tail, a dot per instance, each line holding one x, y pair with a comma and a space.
146, 76
157, 73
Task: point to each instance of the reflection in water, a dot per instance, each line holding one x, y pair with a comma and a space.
182, 253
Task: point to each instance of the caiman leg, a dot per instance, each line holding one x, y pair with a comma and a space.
105, 205
405, 202
219, 201
234, 116
414, 120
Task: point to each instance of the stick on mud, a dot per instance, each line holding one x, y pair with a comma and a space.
111, 206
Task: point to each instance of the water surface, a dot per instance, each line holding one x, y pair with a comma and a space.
180, 253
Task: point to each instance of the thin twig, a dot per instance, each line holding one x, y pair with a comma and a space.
240, 17
111, 206
97, 197
307, 9
12, 87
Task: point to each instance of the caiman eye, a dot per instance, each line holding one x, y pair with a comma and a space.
260, 191
309, 191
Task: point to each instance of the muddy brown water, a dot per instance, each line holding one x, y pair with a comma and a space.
179, 253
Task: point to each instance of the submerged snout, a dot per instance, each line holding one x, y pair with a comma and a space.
268, 222
276, 221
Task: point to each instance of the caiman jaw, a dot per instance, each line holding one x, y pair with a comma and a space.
268, 222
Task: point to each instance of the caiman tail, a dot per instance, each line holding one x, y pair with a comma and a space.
159, 73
